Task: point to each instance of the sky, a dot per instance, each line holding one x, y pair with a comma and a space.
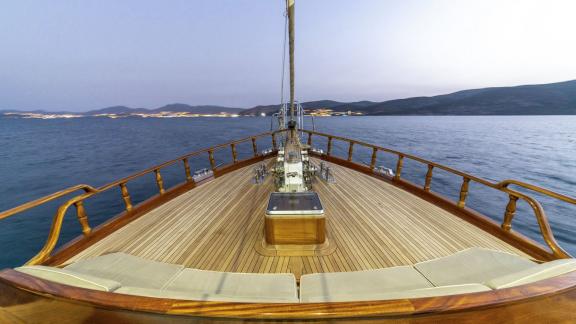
78, 55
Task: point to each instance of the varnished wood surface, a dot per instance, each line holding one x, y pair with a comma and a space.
295, 230
374, 224
31, 300
548, 301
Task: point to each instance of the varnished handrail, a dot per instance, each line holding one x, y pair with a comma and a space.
547, 192
411, 157
506, 225
56, 228
90, 191
45, 199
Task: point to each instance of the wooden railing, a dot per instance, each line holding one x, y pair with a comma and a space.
513, 196
122, 184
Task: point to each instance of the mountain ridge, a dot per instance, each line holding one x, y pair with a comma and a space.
557, 98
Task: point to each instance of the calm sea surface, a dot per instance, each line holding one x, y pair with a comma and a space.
38, 157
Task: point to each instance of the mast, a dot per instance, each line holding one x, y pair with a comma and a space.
290, 11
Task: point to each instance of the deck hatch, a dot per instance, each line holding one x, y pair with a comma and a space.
294, 203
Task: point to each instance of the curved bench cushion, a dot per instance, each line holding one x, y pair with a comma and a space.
281, 286
70, 278
199, 296
127, 269
533, 274
475, 265
321, 286
415, 293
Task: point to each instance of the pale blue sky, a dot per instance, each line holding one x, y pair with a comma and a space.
88, 54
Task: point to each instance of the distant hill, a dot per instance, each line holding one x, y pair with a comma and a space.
543, 99
177, 107
116, 110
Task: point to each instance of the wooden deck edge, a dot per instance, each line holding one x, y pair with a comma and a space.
522, 242
551, 300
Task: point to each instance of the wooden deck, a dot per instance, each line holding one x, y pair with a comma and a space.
373, 224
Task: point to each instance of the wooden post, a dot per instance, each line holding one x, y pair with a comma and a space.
464, 192
211, 158
373, 160
510, 210
187, 170
399, 167
254, 147
350, 151
126, 196
159, 181
310, 139
274, 141
234, 154
82, 218
428, 177
329, 148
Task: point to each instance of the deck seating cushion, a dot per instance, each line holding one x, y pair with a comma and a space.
413, 293
475, 265
533, 274
70, 278
261, 286
127, 269
326, 286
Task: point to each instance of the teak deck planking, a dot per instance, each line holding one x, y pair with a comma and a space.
372, 223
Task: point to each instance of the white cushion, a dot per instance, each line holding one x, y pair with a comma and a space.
475, 265
533, 274
415, 293
199, 296
281, 286
322, 286
70, 278
127, 269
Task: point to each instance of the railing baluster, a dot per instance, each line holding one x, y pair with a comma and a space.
274, 141
329, 148
211, 158
310, 139
159, 181
510, 210
234, 154
428, 181
373, 160
82, 218
187, 170
126, 196
254, 147
399, 167
350, 151
464, 192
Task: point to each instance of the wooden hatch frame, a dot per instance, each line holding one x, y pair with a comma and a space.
556, 295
